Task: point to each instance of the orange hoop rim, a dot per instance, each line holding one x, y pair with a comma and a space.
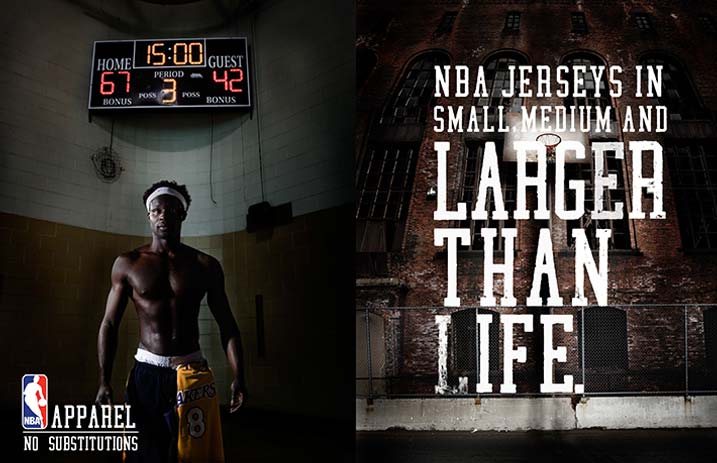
543, 136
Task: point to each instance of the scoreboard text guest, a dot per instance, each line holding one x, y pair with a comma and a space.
161, 73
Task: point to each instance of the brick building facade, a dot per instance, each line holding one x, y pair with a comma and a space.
655, 262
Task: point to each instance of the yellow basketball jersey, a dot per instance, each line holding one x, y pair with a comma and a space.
200, 429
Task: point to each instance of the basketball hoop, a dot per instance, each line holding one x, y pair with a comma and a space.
550, 140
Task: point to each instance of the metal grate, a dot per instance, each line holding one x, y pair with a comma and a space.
465, 348
602, 336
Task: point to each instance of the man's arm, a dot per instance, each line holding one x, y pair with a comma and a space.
107, 337
229, 331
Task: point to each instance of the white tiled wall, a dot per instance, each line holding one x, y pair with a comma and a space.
304, 83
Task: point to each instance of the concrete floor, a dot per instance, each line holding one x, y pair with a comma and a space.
580, 446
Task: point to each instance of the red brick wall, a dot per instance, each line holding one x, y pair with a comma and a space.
658, 272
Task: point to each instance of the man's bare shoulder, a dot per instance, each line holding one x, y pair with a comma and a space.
122, 265
125, 260
131, 256
205, 260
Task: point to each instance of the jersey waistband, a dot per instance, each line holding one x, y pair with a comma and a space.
165, 361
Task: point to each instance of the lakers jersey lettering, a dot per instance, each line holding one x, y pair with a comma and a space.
190, 395
200, 430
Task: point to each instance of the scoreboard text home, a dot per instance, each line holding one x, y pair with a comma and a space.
170, 73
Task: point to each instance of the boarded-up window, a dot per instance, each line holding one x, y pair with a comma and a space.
465, 346
605, 342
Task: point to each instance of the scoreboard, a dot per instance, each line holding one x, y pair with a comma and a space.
170, 73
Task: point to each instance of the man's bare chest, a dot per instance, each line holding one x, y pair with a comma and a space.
167, 278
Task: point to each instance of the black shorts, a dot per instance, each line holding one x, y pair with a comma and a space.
152, 393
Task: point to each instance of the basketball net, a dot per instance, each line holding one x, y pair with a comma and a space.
550, 140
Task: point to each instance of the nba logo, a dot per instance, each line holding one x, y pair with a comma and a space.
34, 401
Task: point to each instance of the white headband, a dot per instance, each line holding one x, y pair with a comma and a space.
165, 190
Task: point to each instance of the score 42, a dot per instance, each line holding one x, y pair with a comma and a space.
229, 78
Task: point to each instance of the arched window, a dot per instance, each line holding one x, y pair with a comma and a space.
604, 338
678, 94
384, 178
497, 79
411, 99
620, 237
603, 101
465, 347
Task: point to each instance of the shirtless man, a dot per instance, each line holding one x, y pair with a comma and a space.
167, 281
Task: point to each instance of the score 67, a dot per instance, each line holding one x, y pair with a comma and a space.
237, 74
107, 87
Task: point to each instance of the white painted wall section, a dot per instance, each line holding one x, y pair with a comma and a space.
536, 413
